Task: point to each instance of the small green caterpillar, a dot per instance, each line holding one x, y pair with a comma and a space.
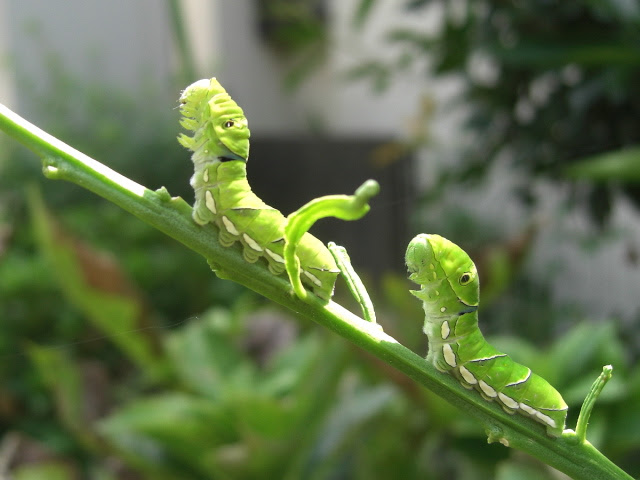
450, 295
223, 196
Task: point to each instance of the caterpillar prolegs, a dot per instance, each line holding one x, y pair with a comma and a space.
223, 196
450, 295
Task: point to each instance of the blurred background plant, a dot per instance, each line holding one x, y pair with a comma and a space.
546, 84
124, 357
542, 172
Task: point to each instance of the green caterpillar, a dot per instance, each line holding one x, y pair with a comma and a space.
220, 146
450, 295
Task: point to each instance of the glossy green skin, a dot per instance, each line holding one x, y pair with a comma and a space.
450, 295
220, 145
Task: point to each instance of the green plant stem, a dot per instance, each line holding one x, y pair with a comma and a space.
173, 217
590, 400
353, 281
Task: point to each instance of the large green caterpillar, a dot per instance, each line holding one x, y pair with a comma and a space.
220, 146
450, 295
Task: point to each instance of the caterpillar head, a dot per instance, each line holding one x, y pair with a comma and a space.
432, 258
230, 125
216, 119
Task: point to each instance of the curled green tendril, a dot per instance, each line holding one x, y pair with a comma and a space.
344, 207
589, 402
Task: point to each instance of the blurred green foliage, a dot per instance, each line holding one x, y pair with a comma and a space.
248, 393
547, 84
297, 31
241, 391
619, 166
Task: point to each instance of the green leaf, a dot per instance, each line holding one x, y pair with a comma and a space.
573, 354
175, 417
376, 71
264, 417
44, 471
411, 37
290, 366
95, 285
351, 415
171, 430
362, 12
205, 358
620, 165
575, 391
64, 380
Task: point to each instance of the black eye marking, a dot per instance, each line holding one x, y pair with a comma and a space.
229, 124
465, 278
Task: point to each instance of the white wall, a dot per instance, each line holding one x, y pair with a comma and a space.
256, 75
119, 42
125, 44
7, 91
